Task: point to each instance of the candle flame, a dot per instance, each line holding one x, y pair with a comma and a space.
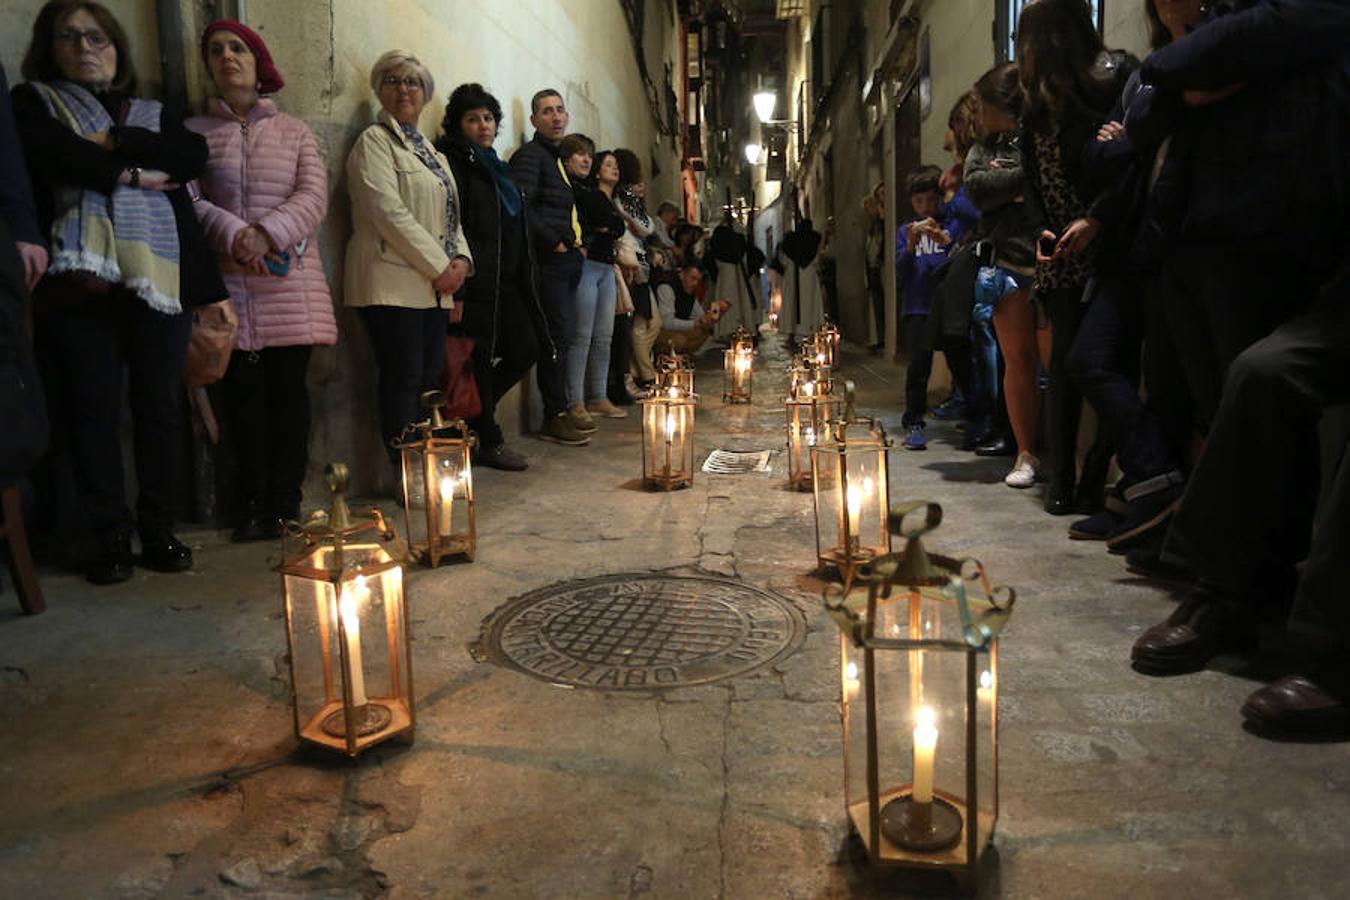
809, 388
986, 679
670, 426
925, 718
851, 671
674, 392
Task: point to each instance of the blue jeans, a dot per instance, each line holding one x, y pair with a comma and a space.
992, 284
593, 327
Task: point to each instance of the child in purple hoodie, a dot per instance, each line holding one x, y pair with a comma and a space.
921, 246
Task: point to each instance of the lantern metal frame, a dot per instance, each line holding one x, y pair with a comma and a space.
952, 831
808, 420
439, 444
676, 369
336, 552
668, 412
738, 367
832, 471
830, 341
805, 369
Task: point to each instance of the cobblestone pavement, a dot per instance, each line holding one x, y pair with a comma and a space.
148, 745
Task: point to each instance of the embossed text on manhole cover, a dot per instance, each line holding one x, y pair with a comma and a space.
640, 632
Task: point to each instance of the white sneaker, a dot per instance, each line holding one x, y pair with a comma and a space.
1023, 474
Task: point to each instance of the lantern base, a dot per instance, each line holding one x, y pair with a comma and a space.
921, 827
736, 398
667, 484
369, 719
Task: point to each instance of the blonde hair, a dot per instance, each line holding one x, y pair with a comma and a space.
400, 59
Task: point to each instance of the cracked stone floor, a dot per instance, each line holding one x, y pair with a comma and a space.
148, 749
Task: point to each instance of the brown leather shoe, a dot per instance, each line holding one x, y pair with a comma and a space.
1297, 705
1201, 628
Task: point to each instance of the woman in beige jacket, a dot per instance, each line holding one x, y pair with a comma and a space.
407, 255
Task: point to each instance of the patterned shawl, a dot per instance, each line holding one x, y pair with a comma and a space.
129, 237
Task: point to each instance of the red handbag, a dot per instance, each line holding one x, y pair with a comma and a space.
461, 389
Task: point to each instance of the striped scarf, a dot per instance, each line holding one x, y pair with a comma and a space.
128, 237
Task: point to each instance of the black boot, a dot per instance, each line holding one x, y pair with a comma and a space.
163, 552
112, 561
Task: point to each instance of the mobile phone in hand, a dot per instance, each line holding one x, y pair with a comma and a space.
1047, 243
278, 263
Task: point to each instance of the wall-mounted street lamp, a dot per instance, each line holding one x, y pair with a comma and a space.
754, 154
764, 102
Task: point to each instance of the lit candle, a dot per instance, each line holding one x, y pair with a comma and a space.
925, 747
855, 501
985, 692
809, 388
352, 598
670, 427
447, 504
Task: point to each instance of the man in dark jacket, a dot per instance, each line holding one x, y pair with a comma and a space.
1246, 518
555, 233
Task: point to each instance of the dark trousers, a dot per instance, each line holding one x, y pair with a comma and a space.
620, 356
518, 346
88, 344
1247, 515
920, 367
1217, 306
1064, 403
876, 292
267, 405
559, 274
409, 347
1104, 364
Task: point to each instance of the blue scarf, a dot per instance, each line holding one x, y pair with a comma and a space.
501, 173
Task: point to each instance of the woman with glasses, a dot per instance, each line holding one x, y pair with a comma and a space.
407, 255
264, 196
129, 262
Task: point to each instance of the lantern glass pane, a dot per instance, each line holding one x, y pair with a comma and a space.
667, 440
314, 646
921, 717
445, 511
852, 499
807, 423
852, 673
349, 644
986, 755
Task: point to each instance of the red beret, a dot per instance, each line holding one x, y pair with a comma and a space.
269, 79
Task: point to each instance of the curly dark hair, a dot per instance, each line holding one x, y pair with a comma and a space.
463, 99
39, 63
630, 167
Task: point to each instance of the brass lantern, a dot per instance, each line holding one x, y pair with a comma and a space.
438, 487
738, 367
347, 627
849, 481
919, 703
809, 416
829, 341
668, 438
675, 369
818, 350
805, 370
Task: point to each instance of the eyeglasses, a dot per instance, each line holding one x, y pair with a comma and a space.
409, 82
98, 40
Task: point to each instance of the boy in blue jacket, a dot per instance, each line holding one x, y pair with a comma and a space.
921, 246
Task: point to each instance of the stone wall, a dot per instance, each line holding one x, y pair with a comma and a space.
325, 48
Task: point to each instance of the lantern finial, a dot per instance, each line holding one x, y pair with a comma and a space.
432, 401
337, 476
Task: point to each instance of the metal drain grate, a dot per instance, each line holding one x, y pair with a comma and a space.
639, 632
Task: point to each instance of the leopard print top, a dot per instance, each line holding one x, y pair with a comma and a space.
1062, 206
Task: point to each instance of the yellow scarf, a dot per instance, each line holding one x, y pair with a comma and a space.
576, 223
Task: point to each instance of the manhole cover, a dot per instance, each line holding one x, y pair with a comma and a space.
636, 632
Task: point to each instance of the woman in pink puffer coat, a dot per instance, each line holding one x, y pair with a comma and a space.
263, 198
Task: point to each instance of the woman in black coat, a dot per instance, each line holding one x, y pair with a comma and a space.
1070, 82
498, 306
130, 261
